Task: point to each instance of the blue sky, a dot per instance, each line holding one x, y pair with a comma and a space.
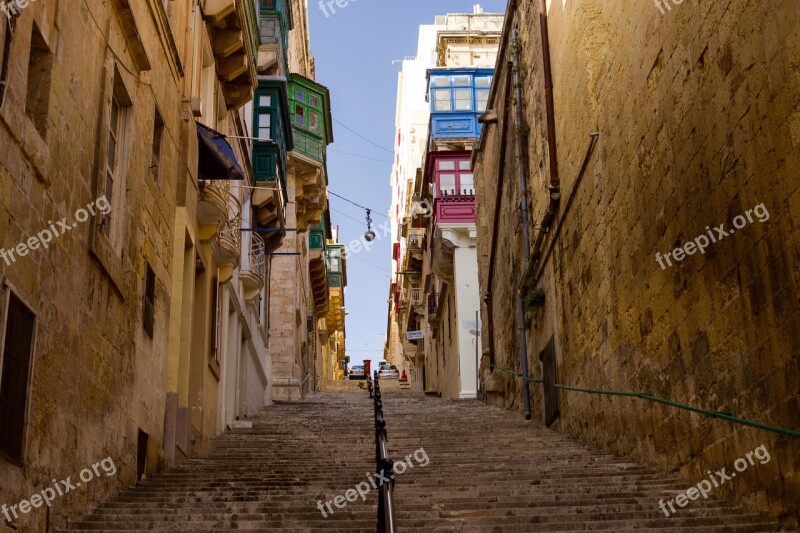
354, 49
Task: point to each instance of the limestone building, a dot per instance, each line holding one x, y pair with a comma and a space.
434, 308
146, 209
600, 187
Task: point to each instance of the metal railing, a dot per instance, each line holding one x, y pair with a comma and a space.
416, 296
255, 260
384, 465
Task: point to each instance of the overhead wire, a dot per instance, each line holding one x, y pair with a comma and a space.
354, 132
355, 204
360, 156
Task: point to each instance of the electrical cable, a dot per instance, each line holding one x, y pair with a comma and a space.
360, 156
361, 136
355, 204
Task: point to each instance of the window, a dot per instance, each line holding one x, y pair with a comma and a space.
300, 116
442, 100
454, 176
447, 184
264, 126
263, 116
466, 185
313, 101
333, 260
117, 125
481, 99
15, 372
299, 95
148, 319
158, 135
40, 65
440, 81
214, 340
463, 99
6, 35
313, 122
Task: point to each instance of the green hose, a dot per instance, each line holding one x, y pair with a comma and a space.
714, 414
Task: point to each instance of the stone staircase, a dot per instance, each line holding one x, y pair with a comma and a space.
485, 470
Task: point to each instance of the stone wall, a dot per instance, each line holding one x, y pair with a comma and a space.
698, 112
97, 377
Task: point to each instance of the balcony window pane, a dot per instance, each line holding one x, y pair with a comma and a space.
463, 165
481, 98
463, 99
300, 116
447, 184
447, 165
313, 122
299, 95
313, 101
264, 126
461, 81
483, 81
467, 184
440, 81
442, 100
264, 100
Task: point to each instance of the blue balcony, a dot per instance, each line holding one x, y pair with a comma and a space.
457, 98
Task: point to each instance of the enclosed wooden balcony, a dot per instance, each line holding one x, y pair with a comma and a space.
233, 27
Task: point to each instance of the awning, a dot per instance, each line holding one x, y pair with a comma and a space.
217, 159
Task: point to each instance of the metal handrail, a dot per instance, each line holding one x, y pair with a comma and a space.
384, 465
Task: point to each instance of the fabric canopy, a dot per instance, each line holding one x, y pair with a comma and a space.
217, 159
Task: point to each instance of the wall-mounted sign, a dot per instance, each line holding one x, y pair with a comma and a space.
415, 335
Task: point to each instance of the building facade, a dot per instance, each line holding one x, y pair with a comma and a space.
434, 308
584, 196
162, 164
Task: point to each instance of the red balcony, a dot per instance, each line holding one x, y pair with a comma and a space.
455, 209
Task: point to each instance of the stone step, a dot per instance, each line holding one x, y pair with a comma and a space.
524, 478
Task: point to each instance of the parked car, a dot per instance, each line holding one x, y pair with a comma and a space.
357, 372
389, 372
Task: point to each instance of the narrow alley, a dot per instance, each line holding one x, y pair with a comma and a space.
500, 266
471, 468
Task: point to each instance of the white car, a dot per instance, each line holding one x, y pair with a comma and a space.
389, 372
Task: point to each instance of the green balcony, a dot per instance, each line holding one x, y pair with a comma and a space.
309, 106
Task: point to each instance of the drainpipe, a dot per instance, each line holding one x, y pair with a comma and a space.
554, 186
523, 206
555, 181
498, 203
